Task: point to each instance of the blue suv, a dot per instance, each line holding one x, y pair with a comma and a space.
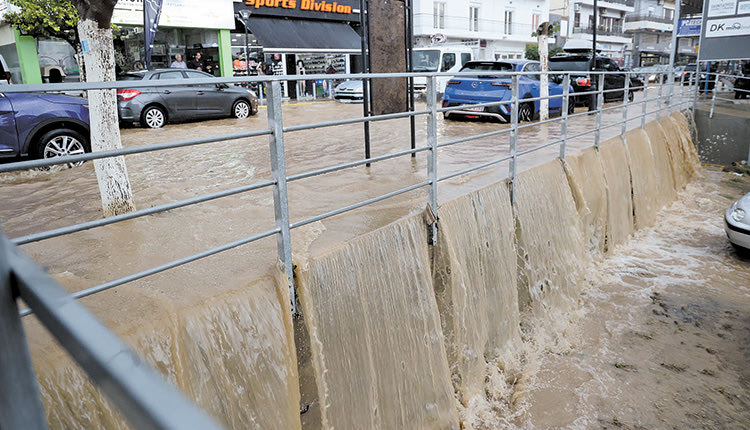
463, 90
43, 125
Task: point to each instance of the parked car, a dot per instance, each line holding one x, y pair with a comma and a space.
462, 90
43, 125
737, 223
579, 65
686, 74
742, 83
349, 91
155, 106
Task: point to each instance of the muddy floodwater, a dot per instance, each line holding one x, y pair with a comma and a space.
662, 337
655, 332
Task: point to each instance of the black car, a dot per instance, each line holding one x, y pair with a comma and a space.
579, 65
154, 106
742, 83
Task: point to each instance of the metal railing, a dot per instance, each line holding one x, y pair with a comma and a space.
134, 387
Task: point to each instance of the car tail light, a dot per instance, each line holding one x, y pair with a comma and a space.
500, 84
454, 82
583, 82
126, 95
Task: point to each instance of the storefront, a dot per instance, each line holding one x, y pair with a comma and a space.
186, 27
284, 37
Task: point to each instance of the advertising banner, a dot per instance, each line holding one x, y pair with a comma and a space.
179, 13
725, 34
689, 27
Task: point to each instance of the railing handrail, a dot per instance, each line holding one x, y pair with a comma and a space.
75, 328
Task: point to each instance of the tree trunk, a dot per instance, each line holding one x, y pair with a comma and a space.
544, 78
111, 173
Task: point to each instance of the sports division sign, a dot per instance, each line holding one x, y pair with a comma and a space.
726, 30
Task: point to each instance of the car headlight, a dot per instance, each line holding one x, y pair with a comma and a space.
738, 214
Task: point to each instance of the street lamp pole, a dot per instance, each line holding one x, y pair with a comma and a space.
245, 15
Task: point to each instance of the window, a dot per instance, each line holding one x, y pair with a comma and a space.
669, 14
508, 22
465, 57
532, 67
534, 21
577, 20
474, 18
438, 15
449, 60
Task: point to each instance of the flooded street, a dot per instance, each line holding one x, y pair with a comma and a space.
394, 333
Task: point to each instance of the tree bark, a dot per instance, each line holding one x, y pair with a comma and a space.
111, 173
544, 65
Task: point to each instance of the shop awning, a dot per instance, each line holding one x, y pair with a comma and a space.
303, 36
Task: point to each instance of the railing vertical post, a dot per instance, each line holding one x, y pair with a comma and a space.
280, 197
565, 107
432, 160
20, 402
659, 97
513, 139
625, 106
713, 97
682, 92
600, 102
644, 105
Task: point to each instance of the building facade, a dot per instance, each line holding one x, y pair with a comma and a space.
651, 25
493, 29
577, 23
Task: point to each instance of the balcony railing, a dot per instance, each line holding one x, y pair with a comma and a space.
601, 31
630, 3
648, 17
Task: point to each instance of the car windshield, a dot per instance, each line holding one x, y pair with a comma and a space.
572, 64
426, 60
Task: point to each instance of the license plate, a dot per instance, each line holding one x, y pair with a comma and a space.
475, 109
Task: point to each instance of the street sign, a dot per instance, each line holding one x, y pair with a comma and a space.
725, 34
689, 27
437, 38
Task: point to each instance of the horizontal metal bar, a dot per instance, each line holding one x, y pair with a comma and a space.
536, 123
474, 168
136, 214
355, 164
359, 205
143, 396
537, 148
475, 137
355, 120
34, 164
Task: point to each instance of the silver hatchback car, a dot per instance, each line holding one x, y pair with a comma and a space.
154, 106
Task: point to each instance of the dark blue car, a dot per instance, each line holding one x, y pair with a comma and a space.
462, 90
43, 125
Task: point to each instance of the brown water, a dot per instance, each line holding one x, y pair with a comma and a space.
385, 350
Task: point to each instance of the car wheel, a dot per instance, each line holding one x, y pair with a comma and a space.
241, 109
62, 142
525, 112
153, 117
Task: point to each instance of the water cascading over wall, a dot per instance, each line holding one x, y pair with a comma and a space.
396, 333
493, 261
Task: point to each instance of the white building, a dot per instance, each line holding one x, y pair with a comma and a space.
494, 29
611, 38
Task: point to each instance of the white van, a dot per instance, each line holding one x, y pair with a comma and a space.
439, 59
